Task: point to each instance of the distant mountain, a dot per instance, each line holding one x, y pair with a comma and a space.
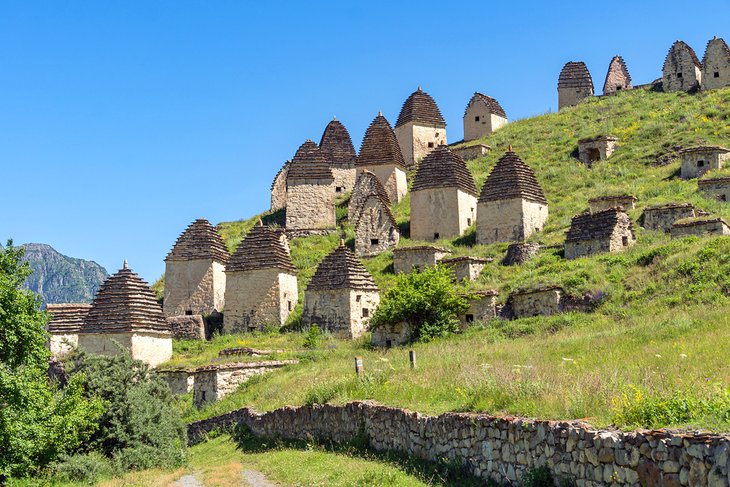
61, 279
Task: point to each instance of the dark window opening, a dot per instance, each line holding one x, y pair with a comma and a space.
365, 312
476, 119
374, 241
593, 155
723, 197
430, 145
388, 343
357, 298
436, 236
619, 87
679, 75
288, 305
470, 318
188, 312
700, 163
716, 74
468, 222
203, 394
625, 240
338, 189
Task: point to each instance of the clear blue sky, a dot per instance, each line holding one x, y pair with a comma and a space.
123, 121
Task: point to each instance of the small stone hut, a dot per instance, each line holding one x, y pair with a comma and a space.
682, 69
716, 65
366, 184
595, 149
376, 230
608, 230
706, 226
544, 301
261, 282
661, 217
408, 259
381, 155
195, 280
443, 197
511, 205
392, 334
341, 296
336, 146
482, 307
420, 127
278, 188
625, 201
520, 252
483, 115
310, 197
696, 161
125, 311
471, 152
64, 325
466, 268
617, 77
715, 188
574, 84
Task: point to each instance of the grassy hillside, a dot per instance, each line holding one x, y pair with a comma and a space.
652, 350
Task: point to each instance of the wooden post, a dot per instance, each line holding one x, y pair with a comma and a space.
358, 366
412, 357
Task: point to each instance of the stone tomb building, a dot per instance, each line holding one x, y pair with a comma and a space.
696, 161
471, 152
64, 325
366, 184
278, 188
408, 259
381, 155
617, 77
195, 280
595, 149
512, 205
482, 307
716, 65
466, 268
125, 311
625, 201
520, 252
483, 115
376, 229
715, 188
602, 231
310, 197
661, 217
420, 127
544, 301
682, 69
337, 149
574, 84
261, 282
704, 226
443, 197
341, 296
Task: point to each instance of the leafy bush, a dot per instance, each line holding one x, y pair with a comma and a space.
313, 339
90, 467
427, 300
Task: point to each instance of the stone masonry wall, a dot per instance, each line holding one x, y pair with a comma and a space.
310, 206
700, 228
697, 163
194, 285
393, 179
62, 343
374, 225
151, 348
544, 302
472, 152
447, 212
340, 311
257, 298
715, 66
417, 141
567, 97
718, 189
663, 218
405, 261
487, 123
344, 180
187, 326
501, 449
511, 220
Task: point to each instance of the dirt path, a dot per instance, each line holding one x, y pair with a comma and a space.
188, 481
256, 479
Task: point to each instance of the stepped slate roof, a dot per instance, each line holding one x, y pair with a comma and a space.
575, 75
674, 52
124, 304
199, 241
379, 145
723, 46
512, 178
492, 105
263, 247
341, 270
420, 108
67, 318
336, 145
601, 224
309, 163
442, 168
285, 167
616, 64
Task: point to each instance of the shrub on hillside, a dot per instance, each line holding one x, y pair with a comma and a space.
428, 301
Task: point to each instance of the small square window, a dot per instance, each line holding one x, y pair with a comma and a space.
625, 240
723, 197
338, 189
436, 236
430, 145
716, 74
365, 312
203, 394
700, 163
679, 75
470, 318
437, 134
288, 305
189, 312
357, 298
468, 221
374, 241
476, 119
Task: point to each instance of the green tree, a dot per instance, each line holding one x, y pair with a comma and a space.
428, 301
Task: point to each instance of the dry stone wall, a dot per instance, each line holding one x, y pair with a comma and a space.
343, 312
196, 286
438, 213
187, 327
376, 230
417, 141
472, 152
511, 220
405, 259
501, 449
150, 347
662, 217
715, 188
257, 298
310, 205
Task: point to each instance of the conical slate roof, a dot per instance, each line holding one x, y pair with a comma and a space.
336, 145
443, 169
199, 241
512, 178
492, 105
67, 318
675, 51
341, 270
125, 303
600, 224
617, 72
575, 75
263, 248
379, 145
309, 163
420, 108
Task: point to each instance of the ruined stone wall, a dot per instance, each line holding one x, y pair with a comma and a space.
716, 66
604, 147
393, 179
344, 180
502, 449
487, 123
600, 204
704, 228
391, 335
417, 141
257, 298
62, 343
374, 233
567, 97
511, 220
573, 250
438, 213
310, 206
180, 381
340, 311
472, 152
187, 327
718, 189
539, 303
481, 308
405, 262
663, 218
151, 348
466, 270
194, 285
278, 190
697, 163
213, 383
